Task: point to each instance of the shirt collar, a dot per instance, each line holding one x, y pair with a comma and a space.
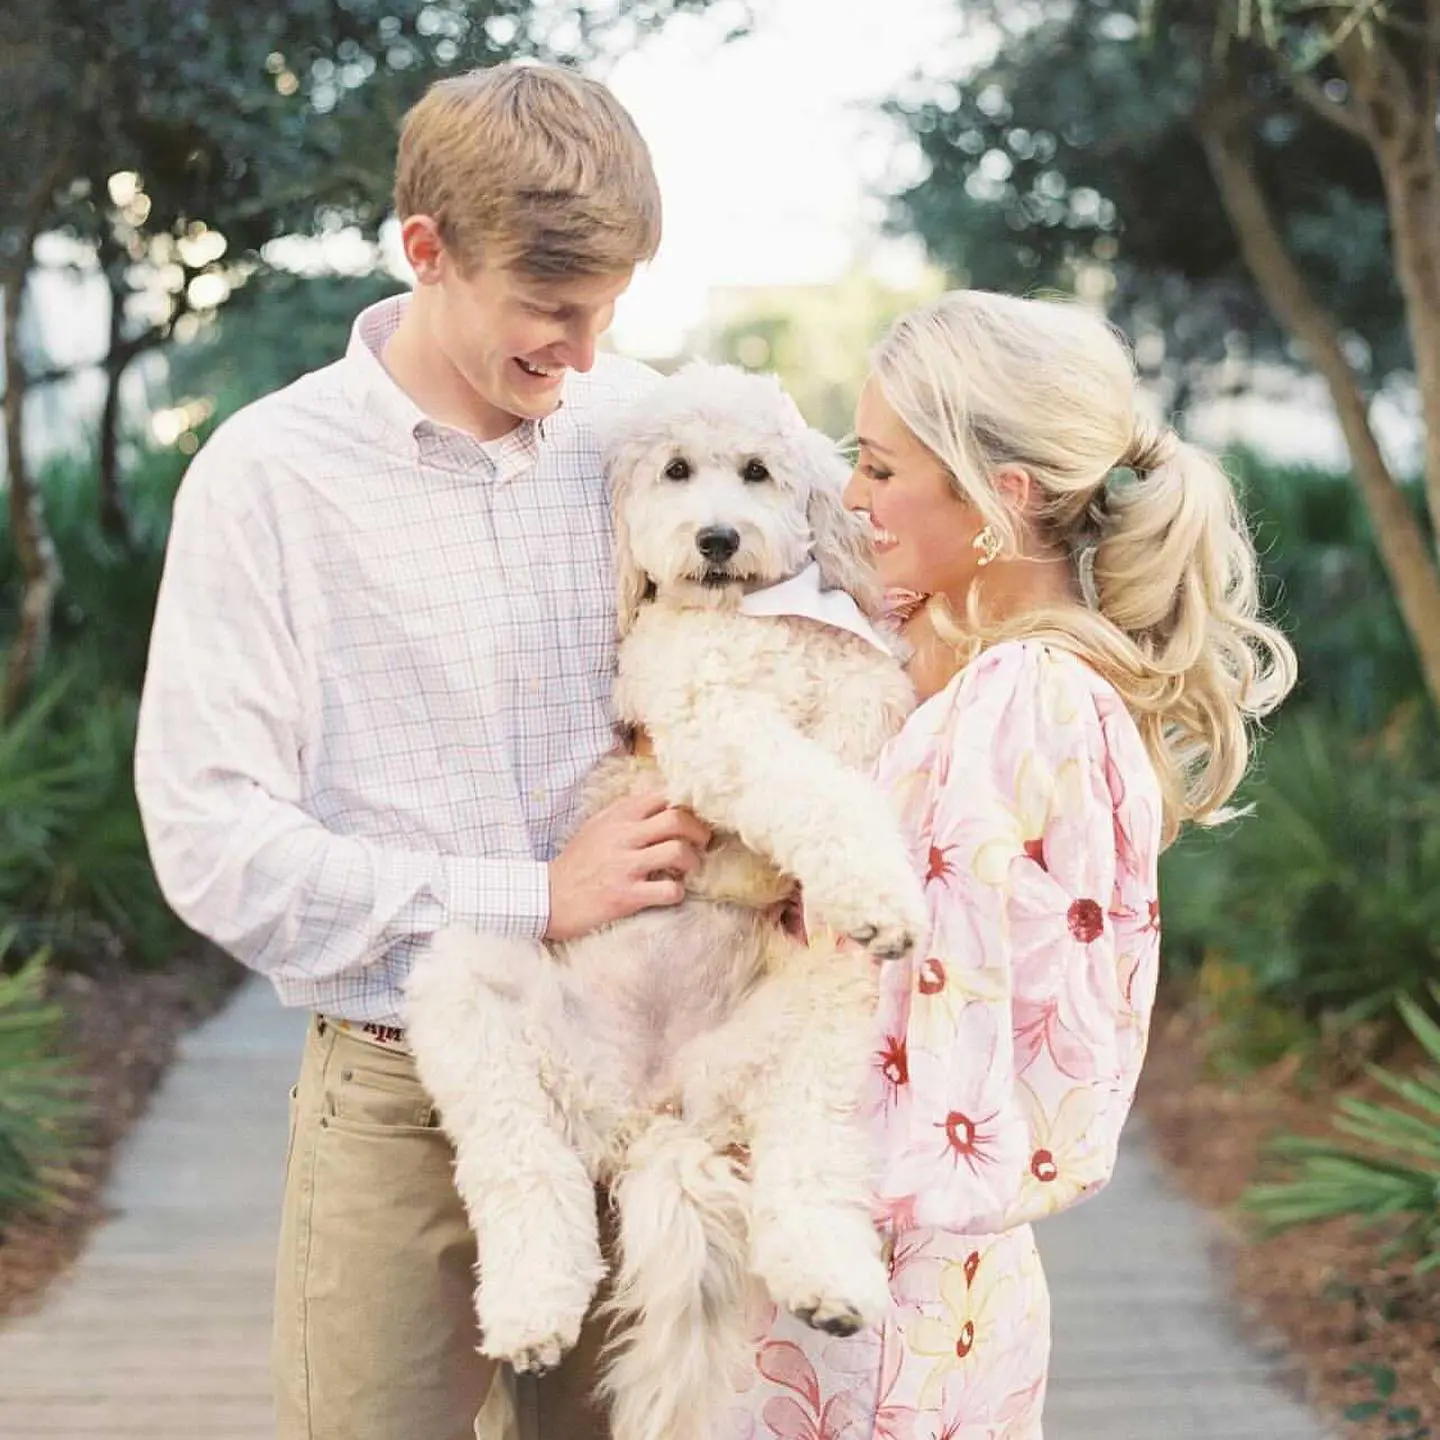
397, 422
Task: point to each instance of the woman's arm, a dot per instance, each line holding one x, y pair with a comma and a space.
1013, 1055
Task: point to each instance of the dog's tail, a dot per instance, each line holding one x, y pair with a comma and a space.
678, 1310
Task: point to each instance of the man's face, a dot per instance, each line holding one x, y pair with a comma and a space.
511, 338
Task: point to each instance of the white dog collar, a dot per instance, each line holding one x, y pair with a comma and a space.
801, 595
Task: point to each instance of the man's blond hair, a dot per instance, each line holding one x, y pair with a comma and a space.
531, 166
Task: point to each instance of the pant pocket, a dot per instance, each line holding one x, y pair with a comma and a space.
374, 1093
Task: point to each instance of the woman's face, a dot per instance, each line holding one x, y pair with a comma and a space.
923, 532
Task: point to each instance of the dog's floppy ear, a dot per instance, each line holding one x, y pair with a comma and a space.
625, 443
632, 585
839, 538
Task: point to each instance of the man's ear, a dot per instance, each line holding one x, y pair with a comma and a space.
424, 247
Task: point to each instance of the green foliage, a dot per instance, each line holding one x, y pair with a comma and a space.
275, 329
1330, 892
1381, 1165
1328, 588
816, 338
1324, 904
74, 871
39, 1104
1402, 1421
107, 597
1241, 1029
1073, 158
253, 120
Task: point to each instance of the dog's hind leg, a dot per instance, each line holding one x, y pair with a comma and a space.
526, 1190
812, 1240
679, 1304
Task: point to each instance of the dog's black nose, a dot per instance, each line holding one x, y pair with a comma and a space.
717, 543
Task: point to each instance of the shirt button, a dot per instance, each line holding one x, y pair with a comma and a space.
538, 796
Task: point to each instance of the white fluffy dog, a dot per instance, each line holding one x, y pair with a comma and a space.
655, 1054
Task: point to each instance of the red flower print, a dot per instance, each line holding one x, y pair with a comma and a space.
894, 1061
1086, 920
960, 1132
972, 1264
931, 980
965, 1341
816, 1418
940, 867
968, 1139
1035, 849
1043, 1166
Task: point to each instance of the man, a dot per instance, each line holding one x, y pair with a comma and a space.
381, 662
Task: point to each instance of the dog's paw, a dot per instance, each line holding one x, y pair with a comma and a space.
832, 1276
530, 1343
535, 1289
888, 928
832, 1315
884, 942
843, 1305
892, 910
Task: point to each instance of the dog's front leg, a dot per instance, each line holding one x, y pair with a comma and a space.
812, 1240
526, 1190
742, 768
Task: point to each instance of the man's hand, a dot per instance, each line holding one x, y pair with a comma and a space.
630, 856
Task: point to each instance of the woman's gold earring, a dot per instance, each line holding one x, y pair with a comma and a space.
988, 543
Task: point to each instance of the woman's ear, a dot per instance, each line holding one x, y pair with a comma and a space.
1016, 487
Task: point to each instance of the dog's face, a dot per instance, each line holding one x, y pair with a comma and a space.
717, 482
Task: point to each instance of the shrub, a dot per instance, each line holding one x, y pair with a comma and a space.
1385, 1169
39, 1104
1329, 893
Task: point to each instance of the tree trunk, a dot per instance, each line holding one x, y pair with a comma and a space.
1399, 120
114, 518
39, 566
1408, 559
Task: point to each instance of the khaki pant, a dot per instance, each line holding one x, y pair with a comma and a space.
375, 1329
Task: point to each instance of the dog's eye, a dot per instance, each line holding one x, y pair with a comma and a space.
754, 472
678, 469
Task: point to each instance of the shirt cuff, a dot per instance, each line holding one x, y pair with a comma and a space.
505, 897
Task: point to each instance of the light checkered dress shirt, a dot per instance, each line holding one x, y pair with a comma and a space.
381, 662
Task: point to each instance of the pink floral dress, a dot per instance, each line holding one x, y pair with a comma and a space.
1006, 1056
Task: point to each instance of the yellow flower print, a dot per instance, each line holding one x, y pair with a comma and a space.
974, 1297
1038, 793
1064, 1162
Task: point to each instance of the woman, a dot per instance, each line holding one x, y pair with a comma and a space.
1087, 652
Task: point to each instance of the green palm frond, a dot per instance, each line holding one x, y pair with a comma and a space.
40, 1100
1383, 1164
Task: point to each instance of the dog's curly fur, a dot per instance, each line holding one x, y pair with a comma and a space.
650, 1054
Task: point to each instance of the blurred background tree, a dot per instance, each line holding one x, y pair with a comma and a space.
1241, 181
171, 139
816, 337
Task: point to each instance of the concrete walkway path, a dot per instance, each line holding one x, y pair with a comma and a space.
161, 1329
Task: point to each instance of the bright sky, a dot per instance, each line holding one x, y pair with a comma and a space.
769, 149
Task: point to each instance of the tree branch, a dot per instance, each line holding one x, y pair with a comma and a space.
1333, 112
